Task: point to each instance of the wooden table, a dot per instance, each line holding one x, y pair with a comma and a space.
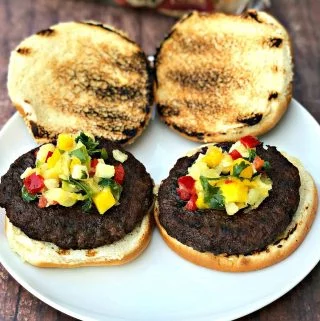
19, 19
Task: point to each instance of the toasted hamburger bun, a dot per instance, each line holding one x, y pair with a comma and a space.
220, 77
280, 249
81, 75
47, 254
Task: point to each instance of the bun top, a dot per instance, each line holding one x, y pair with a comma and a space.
220, 77
81, 76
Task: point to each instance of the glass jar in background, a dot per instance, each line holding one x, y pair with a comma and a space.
180, 7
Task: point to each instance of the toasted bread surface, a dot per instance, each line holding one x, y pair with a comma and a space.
46, 254
220, 77
286, 243
81, 75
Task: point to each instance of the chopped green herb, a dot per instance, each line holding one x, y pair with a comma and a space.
86, 190
90, 144
116, 188
82, 154
212, 195
26, 196
266, 166
104, 154
252, 155
238, 168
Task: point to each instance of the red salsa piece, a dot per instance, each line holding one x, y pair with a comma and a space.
119, 174
250, 141
34, 183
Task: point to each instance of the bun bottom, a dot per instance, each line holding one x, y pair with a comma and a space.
286, 244
46, 254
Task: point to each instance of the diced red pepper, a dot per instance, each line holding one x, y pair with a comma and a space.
186, 183
42, 202
49, 155
250, 141
34, 183
235, 154
119, 174
93, 164
183, 194
186, 187
258, 163
191, 204
228, 181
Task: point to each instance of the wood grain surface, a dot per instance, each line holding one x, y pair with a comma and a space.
20, 18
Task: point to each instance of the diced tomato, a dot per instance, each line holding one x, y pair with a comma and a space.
49, 155
119, 174
191, 204
228, 181
42, 202
93, 164
183, 194
235, 154
250, 141
34, 183
258, 163
186, 183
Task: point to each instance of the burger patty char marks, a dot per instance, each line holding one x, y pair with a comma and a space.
214, 231
72, 228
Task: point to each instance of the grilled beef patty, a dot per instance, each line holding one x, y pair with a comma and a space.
71, 227
209, 230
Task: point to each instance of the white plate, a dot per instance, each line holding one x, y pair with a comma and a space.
159, 285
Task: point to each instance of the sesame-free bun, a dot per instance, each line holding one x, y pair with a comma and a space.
220, 77
81, 75
46, 254
285, 244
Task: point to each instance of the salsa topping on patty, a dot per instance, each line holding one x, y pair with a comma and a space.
74, 170
228, 181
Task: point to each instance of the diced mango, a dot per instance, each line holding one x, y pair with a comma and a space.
65, 142
245, 173
54, 158
200, 201
74, 161
235, 191
51, 173
104, 200
213, 156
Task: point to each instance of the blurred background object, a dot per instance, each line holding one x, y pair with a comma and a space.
180, 7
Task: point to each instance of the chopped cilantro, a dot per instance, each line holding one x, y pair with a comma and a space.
212, 195
86, 190
115, 188
252, 155
82, 154
266, 166
238, 168
26, 196
90, 144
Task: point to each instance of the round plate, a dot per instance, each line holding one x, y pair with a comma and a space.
160, 285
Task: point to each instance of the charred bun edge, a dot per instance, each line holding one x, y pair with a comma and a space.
286, 244
46, 254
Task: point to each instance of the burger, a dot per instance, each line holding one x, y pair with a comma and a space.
77, 202
236, 206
